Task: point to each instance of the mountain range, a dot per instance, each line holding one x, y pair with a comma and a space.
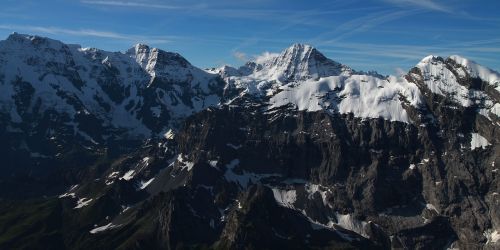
143, 150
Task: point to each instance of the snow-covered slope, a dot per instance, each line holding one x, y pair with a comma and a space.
462, 82
418, 143
363, 96
146, 91
295, 64
441, 80
142, 91
298, 62
475, 70
305, 78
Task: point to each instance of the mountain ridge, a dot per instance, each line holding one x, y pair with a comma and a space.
300, 75
140, 149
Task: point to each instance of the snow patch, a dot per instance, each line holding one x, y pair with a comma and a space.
496, 109
348, 222
431, 207
213, 163
478, 141
82, 202
72, 195
345, 221
285, 198
69, 193
103, 228
360, 95
113, 175
143, 184
184, 164
476, 70
169, 135
492, 236
128, 175
244, 178
495, 236
441, 80
311, 189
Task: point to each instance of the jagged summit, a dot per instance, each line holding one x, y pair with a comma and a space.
146, 147
476, 70
300, 62
131, 91
463, 82
472, 68
17, 37
141, 51
158, 62
303, 75
296, 51
429, 59
24, 41
148, 58
458, 67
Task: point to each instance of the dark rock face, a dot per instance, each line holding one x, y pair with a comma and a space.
238, 174
365, 170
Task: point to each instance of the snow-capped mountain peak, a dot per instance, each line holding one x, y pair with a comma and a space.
460, 67
158, 62
463, 82
17, 39
475, 70
429, 59
291, 135
140, 52
143, 90
301, 62
269, 72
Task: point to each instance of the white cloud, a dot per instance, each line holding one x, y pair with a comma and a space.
266, 56
399, 72
240, 56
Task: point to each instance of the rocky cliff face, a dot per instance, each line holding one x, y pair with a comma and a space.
294, 151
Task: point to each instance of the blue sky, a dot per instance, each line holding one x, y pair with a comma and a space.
383, 35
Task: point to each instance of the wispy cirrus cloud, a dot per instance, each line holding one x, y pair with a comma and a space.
412, 53
432, 5
85, 33
248, 9
361, 24
134, 4
387, 59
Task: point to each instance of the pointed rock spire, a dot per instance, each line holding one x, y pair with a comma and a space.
301, 62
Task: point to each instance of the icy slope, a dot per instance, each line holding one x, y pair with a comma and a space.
297, 63
363, 96
305, 78
463, 82
475, 70
143, 91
